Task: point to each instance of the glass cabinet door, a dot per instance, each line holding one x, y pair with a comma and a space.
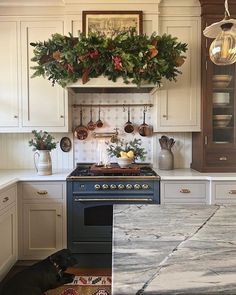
222, 104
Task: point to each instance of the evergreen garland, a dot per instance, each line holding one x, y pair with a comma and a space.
135, 58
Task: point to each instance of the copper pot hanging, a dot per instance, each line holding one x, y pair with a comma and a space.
129, 128
81, 131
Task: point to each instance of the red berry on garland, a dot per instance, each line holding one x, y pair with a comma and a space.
94, 54
117, 62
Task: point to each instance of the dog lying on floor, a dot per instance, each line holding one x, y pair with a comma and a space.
42, 276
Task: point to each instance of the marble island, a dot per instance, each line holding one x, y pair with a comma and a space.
174, 249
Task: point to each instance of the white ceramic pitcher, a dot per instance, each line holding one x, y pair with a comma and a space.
42, 162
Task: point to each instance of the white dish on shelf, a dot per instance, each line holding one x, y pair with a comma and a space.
221, 78
220, 84
221, 98
221, 120
220, 142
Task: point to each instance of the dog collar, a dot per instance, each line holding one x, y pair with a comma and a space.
59, 270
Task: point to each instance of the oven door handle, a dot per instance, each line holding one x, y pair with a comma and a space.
113, 200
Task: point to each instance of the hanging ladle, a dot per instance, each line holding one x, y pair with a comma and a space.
129, 128
99, 122
91, 125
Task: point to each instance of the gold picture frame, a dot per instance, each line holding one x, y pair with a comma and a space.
111, 22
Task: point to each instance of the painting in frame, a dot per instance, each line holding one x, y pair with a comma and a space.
111, 22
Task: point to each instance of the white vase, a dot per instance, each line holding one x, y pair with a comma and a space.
42, 162
166, 159
124, 162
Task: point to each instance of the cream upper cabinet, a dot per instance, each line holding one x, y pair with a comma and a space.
178, 103
42, 104
9, 112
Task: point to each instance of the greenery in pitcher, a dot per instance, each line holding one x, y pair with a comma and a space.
123, 149
42, 141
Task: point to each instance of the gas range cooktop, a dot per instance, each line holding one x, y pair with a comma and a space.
89, 170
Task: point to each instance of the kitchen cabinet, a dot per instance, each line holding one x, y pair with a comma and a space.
9, 94
223, 192
178, 104
184, 192
8, 229
214, 148
42, 219
43, 105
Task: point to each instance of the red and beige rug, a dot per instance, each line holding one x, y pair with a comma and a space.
85, 285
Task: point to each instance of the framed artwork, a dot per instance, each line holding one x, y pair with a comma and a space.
110, 22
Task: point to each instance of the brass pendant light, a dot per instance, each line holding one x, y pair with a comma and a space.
223, 49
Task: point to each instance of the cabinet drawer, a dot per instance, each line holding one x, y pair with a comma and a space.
184, 192
42, 190
7, 196
224, 192
220, 158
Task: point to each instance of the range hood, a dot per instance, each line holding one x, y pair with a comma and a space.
103, 85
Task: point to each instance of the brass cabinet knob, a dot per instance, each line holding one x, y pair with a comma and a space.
5, 199
185, 191
42, 192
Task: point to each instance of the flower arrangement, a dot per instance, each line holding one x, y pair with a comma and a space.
42, 141
123, 149
135, 58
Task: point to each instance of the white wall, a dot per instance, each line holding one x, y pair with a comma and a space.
15, 152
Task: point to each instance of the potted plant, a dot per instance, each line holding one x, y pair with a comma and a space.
126, 152
42, 144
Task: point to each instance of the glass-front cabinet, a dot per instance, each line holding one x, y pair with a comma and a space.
214, 148
222, 104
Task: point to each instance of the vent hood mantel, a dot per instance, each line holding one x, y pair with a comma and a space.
103, 85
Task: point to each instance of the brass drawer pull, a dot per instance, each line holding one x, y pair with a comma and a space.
223, 158
5, 199
42, 192
185, 191
232, 192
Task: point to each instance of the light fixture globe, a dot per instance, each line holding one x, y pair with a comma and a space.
223, 49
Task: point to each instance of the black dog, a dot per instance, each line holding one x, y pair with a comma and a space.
42, 276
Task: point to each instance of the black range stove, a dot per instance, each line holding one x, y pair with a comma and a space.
91, 194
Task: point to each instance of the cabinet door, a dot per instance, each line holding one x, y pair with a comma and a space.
178, 104
42, 230
43, 105
9, 75
8, 241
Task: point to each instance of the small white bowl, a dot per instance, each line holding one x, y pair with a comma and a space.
124, 162
221, 98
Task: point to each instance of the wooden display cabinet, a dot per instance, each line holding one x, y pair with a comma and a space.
214, 148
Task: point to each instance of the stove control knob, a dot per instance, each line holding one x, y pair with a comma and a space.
129, 186
145, 186
113, 186
97, 187
137, 186
105, 186
121, 186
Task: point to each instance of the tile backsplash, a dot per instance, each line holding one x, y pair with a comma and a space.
15, 152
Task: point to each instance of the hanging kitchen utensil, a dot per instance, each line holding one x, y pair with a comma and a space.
81, 132
99, 122
91, 125
129, 128
144, 129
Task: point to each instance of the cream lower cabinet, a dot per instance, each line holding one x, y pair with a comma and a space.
178, 103
42, 225
223, 192
184, 192
8, 229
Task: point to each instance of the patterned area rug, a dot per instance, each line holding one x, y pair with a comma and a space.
85, 285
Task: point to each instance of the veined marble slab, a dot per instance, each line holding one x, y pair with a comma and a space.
174, 249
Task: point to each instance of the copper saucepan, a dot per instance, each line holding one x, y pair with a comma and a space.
91, 125
81, 132
144, 129
99, 122
129, 128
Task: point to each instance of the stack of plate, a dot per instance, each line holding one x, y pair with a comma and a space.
221, 81
220, 98
221, 120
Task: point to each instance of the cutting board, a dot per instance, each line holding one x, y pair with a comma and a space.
115, 168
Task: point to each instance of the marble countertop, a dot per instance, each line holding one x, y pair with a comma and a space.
174, 250
8, 177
